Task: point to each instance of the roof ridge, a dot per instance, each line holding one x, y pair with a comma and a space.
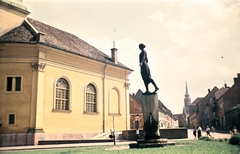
52, 27
31, 26
26, 21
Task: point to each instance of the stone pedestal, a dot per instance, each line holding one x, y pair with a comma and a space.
151, 124
150, 116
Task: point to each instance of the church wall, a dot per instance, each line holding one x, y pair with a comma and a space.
80, 72
35, 104
116, 102
17, 103
76, 120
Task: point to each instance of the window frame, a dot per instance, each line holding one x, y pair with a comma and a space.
96, 100
13, 84
69, 96
15, 119
119, 102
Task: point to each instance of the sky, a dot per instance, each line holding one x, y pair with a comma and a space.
193, 41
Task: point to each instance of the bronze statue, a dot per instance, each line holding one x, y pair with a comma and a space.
145, 71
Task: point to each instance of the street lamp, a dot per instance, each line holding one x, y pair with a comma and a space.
114, 139
112, 131
137, 125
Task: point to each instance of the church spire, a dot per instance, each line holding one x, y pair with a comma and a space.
186, 95
187, 102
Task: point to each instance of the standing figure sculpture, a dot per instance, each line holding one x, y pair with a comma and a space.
145, 71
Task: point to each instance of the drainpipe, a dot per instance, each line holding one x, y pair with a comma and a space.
104, 117
127, 100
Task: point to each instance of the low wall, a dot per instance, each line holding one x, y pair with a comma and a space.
34, 138
174, 133
170, 133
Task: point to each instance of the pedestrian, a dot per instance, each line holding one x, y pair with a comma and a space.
195, 133
212, 129
208, 131
199, 131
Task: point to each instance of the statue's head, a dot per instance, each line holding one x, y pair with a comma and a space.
141, 46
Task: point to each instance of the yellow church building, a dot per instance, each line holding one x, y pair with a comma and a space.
55, 86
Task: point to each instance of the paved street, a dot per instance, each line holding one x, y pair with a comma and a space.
216, 134
16, 148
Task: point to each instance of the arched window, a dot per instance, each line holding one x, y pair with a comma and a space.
91, 102
62, 95
114, 101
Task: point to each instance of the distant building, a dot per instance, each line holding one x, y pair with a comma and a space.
136, 113
232, 96
216, 108
231, 105
203, 108
181, 120
193, 109
193, 121
220, 108
193, 106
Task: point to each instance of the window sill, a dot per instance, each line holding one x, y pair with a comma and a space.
91, 113
10, 92
115, 114
12, 125
61, 111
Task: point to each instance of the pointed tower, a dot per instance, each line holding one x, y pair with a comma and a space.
187, 102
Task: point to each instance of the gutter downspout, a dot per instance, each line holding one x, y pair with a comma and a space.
104, 117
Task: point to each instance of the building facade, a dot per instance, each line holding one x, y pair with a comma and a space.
55, 85
193, 123
231, 105
136, 113
204, 108
181, 120
193, 113
216, 104
220, 108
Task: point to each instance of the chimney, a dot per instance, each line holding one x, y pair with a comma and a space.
133, 94
41, 37
225, 85
114, 55
209, 90
235, 80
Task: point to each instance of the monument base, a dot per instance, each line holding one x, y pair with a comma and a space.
151, 143
152, 138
